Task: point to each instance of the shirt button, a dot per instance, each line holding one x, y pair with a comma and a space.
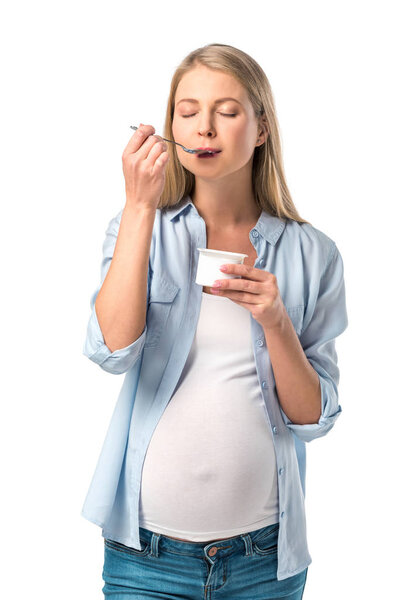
254, 233
213, 551
260, 343
282, 513
264, 384
281, 471
274, 429
261, 262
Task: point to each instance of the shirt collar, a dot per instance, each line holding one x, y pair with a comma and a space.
268, 226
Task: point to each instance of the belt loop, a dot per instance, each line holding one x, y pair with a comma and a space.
247, 543
154, 544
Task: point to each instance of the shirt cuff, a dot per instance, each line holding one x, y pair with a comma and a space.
117, 362
330, 411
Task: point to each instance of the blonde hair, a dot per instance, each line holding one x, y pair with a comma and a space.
268, 178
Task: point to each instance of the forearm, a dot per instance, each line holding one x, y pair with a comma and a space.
121, 302
297, 382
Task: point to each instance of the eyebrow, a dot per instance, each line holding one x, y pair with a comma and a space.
194, 101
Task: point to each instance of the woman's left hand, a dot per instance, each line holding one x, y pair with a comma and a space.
257, 290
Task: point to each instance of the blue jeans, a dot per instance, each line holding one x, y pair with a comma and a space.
239, 568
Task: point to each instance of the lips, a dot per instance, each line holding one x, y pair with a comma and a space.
210, 155
208, 151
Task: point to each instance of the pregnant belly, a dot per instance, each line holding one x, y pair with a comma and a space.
210, 464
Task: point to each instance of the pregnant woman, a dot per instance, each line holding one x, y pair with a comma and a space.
200, 485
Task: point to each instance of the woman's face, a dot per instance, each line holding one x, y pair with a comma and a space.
203, 122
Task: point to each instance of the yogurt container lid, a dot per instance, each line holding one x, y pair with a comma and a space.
219, 252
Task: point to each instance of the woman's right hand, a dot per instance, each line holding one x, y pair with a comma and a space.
143, 163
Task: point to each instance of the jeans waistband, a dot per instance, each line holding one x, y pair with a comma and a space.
222, 546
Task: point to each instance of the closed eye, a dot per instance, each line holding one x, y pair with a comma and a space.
223, 114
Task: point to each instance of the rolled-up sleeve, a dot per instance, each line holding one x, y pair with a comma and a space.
122, 359
328, 321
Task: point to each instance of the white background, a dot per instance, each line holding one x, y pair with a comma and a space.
75, 75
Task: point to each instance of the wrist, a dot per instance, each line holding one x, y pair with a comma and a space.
136, 209
279, 324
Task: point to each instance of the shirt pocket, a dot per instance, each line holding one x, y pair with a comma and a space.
162, 294
296, 314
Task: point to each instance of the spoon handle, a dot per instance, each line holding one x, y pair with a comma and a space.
172, 142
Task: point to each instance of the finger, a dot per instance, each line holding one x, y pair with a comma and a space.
157, 149
138, 138
161, 162
240, 297
247, 305
246, 271
240, 285
144, 150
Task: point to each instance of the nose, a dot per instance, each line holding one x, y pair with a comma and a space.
206, 128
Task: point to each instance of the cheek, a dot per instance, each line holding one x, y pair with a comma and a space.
243, 149
181, 136
242, 137
178, 136
176, 126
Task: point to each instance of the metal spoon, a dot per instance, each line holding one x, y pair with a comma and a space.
185, 149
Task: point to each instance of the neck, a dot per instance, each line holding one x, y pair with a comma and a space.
228, 203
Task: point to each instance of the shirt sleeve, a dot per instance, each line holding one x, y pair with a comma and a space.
122, 359
328, 321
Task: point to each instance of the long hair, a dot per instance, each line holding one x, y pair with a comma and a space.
270, 189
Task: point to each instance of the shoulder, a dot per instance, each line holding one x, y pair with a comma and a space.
310, 240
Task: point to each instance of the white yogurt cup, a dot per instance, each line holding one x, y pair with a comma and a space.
211, 260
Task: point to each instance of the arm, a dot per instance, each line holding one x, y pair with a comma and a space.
297, 383
117, 327
299, 405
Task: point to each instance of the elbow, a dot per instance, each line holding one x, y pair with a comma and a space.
118, 361
312, 431
118, 367
307, 432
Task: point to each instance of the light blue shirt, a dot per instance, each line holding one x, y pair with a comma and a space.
309, 271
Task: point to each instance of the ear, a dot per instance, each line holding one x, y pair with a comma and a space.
262, 133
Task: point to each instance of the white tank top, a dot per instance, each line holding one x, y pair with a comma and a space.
210, 468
